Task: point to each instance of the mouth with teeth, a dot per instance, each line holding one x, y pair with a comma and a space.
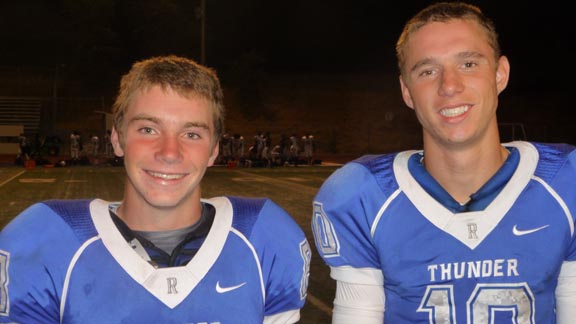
456, 111
166, 176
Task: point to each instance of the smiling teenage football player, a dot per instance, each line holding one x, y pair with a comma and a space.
162, 254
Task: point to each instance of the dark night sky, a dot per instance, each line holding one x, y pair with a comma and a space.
360, 35
298, 35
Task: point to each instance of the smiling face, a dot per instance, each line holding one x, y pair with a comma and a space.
167, 143
452, 80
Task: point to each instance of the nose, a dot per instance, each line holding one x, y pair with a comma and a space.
169, 149
450, 83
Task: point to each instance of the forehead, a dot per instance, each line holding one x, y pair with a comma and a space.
439, 39
169, 105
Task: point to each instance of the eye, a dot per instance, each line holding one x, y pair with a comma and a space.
470, 64
426, 73
146, 130
192, 135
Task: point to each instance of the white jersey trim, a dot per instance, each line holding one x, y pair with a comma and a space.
382, 210
153, 279
256, 259
363, 276
288, 317
485, 220
561, 202
69, 271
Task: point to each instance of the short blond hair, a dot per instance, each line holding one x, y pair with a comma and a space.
443, 12
180, 74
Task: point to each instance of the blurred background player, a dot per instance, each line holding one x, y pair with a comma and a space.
309, 148
75, 145
94, 145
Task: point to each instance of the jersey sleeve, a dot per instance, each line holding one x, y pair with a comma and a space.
568, 186
285, 259
566, 294
344, 211
557, 171
566, 289
358, 303
33, 266
557, 168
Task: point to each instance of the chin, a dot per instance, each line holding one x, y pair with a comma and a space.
163, 202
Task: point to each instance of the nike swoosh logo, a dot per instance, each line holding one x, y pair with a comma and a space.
222, 290
518, 232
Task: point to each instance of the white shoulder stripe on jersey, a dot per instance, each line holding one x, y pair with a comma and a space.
69, 271
381, 211
560, 202
256, 259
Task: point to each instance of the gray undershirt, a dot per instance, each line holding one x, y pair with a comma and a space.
168, 240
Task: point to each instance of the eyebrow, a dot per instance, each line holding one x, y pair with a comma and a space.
422, 62
469, 54
157, 120
197, 125
144, 117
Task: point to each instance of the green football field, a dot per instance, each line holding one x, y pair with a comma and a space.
293, 188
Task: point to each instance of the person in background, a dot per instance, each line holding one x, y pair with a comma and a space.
95, 144
309, 148
468, 229
24, 147
162, 254
75, 145
108, 143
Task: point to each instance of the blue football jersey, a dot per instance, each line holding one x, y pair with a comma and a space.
375, 224
67, 262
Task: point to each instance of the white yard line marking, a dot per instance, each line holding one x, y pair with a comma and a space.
37, 180
14, 176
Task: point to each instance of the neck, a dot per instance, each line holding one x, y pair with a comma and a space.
140, 215
462, 173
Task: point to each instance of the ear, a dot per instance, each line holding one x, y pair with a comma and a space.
502, 74
115, 139
406, 94
214, 154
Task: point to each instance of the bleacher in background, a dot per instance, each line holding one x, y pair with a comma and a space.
25, 111
9, 139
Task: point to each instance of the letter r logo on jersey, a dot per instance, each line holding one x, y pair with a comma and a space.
172, 282
472, 229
